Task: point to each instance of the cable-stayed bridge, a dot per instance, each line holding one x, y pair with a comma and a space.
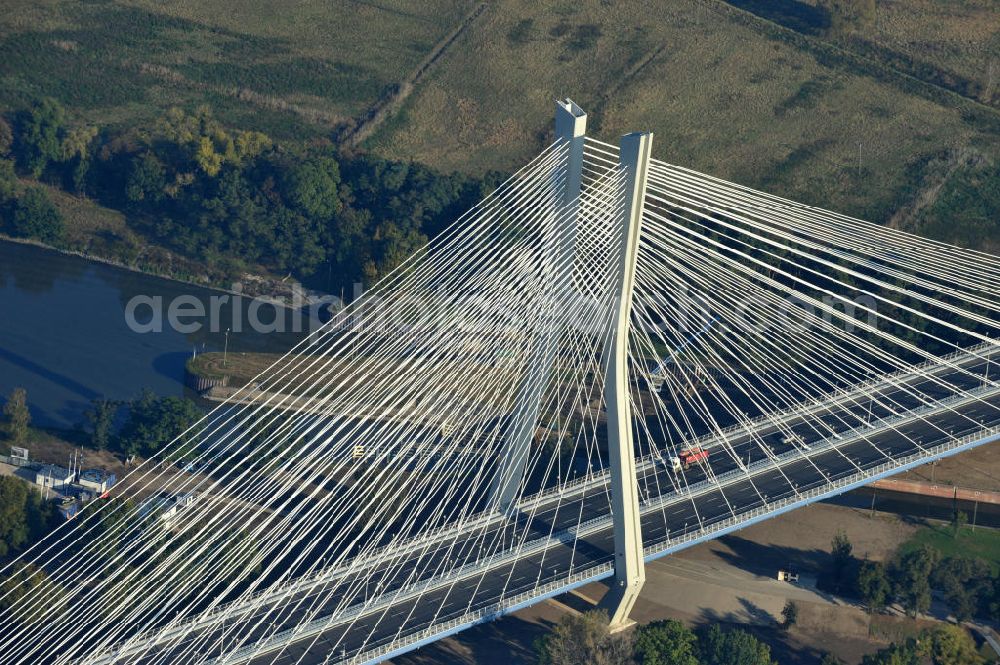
607, 360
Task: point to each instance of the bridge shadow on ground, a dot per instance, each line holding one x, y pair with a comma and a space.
765, 559
171, 365
61, 380
505, 642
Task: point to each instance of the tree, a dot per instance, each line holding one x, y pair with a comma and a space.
849, 15
295, 241
6, 138
313, 188
17, 414
733, 647
75, 153
156, 422
841, 551
234, 554
42, 516
952, 645
207, 158
36, 217
873, 586
28, 580
666, 643
147, 179
911, 579
907, 653
251, 144
101, 417
584, 638
965, 584
958, 520
25, 517
14, 528
39, 138
108, 521
789, 614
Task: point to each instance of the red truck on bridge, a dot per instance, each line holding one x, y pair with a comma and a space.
689, 456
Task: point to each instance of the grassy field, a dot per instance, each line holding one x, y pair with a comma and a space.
872, 122
294, 74
962, 37
724, 92
981, 543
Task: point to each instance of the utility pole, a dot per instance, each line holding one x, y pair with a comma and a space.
571, 128
630, 568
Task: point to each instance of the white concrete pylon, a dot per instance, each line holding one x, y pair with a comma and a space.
571, 129
630, 570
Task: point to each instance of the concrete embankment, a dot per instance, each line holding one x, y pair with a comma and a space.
937, 491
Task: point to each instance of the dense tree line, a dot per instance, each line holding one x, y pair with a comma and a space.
913, 577
584, 639
234, 198
944, 645
27, 212
150, 425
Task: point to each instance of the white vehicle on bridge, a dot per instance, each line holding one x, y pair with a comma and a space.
795, 440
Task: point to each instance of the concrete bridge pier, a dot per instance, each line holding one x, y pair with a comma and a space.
570, 130
570, 126
630, 569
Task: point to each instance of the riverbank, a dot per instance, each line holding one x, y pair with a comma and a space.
102, 235
280, 291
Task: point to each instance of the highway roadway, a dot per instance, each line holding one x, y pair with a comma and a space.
470, 573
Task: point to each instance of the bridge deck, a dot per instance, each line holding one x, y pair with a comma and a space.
572, 535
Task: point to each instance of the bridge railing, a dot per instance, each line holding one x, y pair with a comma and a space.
832, 487
595, 573
698, 532
483, 614
845, 437
824, 401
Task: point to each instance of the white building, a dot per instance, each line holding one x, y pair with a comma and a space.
55, 477
166, 506
97, 481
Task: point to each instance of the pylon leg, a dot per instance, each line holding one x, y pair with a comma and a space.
571, 129
630, 570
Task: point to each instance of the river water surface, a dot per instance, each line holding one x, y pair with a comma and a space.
64, 335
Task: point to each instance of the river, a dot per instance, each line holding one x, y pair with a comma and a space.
65, 336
